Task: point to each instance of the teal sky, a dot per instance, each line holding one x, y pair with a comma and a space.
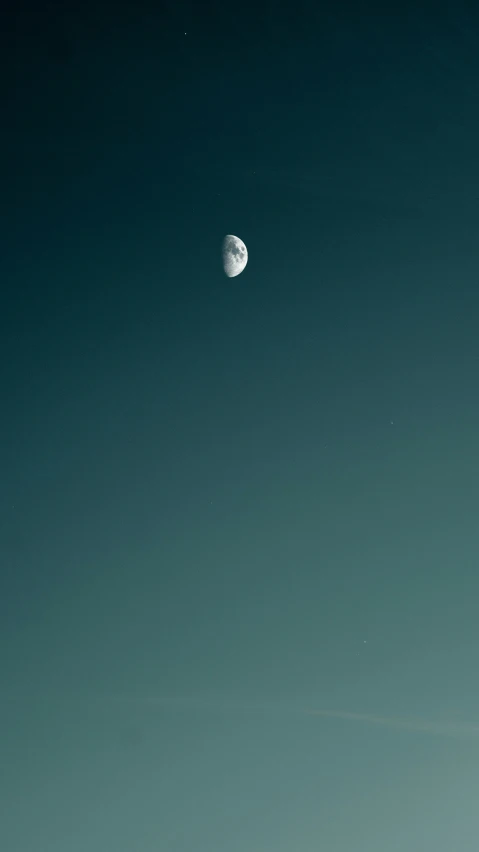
239, 537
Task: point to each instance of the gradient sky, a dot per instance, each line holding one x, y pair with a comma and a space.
239, 526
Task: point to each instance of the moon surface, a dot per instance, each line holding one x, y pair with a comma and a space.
235, 255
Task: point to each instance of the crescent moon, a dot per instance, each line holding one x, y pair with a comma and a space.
235, 255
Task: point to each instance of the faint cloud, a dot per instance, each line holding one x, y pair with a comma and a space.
407, 724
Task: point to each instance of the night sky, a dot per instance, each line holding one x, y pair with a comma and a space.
239, 518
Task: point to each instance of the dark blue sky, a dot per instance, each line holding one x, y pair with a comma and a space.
226, 503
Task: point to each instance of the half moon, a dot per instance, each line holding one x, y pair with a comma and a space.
235, 255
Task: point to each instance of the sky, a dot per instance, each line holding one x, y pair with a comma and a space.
239, 549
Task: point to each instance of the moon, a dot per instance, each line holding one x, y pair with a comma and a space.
235, 255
